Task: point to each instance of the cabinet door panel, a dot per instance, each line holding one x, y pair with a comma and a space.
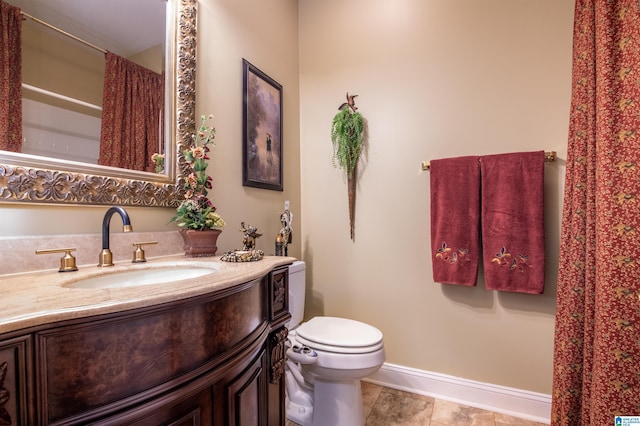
246, 395
14, 382
195, 410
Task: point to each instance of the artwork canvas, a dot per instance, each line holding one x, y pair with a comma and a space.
262, 130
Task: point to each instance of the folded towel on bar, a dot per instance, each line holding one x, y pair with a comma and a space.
513, 221
455, 220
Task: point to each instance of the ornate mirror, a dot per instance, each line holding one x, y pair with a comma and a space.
34, 178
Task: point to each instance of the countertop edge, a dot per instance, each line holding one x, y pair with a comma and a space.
42, 298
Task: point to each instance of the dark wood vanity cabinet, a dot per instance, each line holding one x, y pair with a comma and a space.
15, 376
215, 359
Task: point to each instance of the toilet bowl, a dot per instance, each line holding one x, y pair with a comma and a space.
326, 358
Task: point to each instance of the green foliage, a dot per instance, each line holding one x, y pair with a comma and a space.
347, 130
192, 215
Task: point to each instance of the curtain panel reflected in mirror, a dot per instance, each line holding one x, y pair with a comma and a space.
132, 120
10, 78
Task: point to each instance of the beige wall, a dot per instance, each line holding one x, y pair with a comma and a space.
265, 34
435, 78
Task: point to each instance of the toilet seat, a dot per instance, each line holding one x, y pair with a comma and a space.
339, 335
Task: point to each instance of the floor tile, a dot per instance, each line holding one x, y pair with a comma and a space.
390, 407
370, 394
395, 407
504, 420
450, 413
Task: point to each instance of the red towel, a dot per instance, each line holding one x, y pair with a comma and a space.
455, 220
513, 221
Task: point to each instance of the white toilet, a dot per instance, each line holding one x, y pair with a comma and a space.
327, 358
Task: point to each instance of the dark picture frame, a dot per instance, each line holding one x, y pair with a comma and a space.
262, 129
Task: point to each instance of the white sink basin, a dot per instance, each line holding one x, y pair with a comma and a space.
139, 277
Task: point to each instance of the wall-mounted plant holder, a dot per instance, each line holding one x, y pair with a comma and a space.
347, 132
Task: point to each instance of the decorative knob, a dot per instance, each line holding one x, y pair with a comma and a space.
67, 262
138, 253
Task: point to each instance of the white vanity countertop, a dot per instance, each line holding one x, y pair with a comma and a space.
32, 299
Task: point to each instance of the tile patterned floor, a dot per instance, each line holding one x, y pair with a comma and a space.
390, 407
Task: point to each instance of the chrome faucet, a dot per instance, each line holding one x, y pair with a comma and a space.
106, 258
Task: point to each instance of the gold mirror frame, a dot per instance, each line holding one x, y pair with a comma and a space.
27, 178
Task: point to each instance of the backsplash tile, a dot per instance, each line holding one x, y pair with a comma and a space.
17, 254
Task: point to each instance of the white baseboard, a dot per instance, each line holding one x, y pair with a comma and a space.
500, 399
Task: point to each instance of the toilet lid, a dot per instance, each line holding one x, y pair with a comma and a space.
339, 335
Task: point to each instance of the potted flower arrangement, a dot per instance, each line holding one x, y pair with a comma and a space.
196, 216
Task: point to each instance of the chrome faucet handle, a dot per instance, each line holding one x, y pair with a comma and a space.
67, 262
138, 253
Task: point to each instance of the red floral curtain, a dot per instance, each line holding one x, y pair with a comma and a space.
10, 78
597, 335
132, 106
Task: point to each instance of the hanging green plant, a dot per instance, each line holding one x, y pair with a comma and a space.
347, 133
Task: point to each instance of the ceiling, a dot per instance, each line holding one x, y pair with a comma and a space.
124, 27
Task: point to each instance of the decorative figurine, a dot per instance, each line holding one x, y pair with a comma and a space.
286, 218
249, 253
351, 103
250, 235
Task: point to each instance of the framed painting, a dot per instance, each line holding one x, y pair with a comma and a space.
262, 129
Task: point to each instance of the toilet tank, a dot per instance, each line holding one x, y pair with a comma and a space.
297, 272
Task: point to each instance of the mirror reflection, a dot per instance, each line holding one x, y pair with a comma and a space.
92, 81
36, 178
